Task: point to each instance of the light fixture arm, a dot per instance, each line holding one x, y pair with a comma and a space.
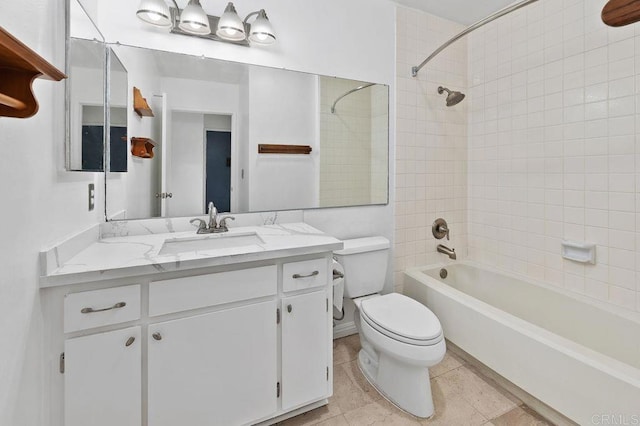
176, 4
257, 12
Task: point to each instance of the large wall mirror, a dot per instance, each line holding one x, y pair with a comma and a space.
184, 130
211, 123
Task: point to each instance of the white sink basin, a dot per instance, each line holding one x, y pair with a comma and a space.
209, 242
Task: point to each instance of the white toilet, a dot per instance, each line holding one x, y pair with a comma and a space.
400, 337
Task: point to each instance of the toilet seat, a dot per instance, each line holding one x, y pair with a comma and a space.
402, 319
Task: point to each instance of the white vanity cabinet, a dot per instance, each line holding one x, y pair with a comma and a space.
305, 367
305, 363
241, 344
103, 379
218, 368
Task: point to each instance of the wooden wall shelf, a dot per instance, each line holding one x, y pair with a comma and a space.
19, 67
142, 147
283, 149
618, 13
140, 105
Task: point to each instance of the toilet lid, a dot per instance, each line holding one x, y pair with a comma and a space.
402, 316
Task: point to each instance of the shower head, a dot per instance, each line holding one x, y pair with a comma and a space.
453, 98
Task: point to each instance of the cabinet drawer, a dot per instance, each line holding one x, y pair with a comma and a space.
182, 294
305, 274
96, 308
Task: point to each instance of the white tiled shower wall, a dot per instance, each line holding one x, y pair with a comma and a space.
553, 147
431, 144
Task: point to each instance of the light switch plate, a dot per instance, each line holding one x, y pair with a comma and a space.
92, 196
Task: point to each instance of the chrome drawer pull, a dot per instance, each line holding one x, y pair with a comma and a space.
130, 341
313, 274
91, 310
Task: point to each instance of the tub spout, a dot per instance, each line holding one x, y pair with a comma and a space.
446, 250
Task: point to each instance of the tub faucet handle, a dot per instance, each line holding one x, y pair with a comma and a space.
440, 229
444, 229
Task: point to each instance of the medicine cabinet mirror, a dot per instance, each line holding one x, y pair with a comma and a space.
85, 92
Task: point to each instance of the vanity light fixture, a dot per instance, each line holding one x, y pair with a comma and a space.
194, 21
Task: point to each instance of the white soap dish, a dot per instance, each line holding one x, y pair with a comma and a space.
579, 252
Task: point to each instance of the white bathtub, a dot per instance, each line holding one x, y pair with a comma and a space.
581, 359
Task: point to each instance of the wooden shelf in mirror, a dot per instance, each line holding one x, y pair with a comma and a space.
283, 149
142, 147
140, 105
19, 67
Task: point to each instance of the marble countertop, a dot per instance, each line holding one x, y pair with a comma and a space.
119, 257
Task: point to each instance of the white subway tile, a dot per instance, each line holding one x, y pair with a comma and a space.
622, 297
543, 148
596, 289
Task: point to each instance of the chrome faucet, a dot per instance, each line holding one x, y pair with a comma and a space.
217, 223
446, 250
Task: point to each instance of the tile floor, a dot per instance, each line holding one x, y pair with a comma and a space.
461, 397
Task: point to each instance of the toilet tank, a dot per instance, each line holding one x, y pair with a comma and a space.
365, 265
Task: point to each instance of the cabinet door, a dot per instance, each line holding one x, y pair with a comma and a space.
102, 379
305, 346
214, 369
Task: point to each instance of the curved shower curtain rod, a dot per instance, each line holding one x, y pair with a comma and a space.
364, 86
501, 12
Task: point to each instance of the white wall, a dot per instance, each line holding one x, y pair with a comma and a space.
41, 204
187, 150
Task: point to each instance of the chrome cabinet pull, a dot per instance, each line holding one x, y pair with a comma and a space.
157, 336
313, 274
130, 341
91, 310
289, 308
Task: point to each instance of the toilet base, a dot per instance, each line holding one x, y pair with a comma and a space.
405, 386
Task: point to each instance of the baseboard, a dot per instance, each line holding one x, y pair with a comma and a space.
344, 330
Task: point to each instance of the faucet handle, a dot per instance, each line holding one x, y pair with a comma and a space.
223, 223
443, 228
202, 225
440, 229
